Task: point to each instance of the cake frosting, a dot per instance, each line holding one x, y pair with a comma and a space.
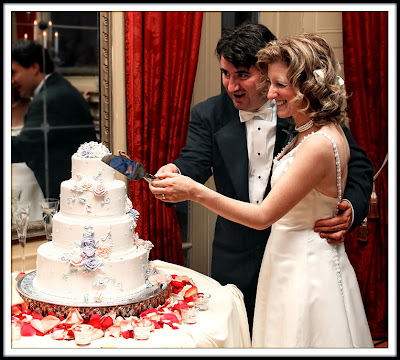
95, 255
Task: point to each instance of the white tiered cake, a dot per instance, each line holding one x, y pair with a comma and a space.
95, 254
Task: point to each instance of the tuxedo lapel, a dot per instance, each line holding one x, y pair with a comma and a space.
284, 130
283, 133
232, 145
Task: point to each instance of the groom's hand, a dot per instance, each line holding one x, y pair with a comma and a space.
335, 229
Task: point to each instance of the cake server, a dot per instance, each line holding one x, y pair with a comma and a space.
131, 169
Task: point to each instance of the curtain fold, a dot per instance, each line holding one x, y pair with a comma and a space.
365, 51
161, 52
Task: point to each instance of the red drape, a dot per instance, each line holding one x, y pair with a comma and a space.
161, 51
365, 50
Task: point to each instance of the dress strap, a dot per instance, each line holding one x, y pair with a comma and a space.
337, 160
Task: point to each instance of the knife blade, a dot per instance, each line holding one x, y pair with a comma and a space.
131, 169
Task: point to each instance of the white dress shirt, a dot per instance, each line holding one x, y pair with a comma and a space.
261, 134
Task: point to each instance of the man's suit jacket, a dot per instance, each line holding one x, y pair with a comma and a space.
67, 123
216, 144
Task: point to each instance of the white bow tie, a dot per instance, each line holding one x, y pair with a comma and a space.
265, 114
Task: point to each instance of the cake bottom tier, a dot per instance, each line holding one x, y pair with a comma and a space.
114, 278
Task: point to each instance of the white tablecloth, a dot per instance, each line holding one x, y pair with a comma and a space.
223, 325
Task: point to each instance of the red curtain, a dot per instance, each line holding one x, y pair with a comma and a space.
25, 24
365, 50
161, 51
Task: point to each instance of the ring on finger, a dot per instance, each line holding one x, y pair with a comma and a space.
163, 196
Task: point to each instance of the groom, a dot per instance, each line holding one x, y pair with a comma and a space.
226, 141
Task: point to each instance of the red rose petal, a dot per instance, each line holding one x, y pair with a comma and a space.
190, 292
183, 278
148, 313
27, 330
95, 323
180, 305
35, 315
15, 310
127, 334
115, 331
95, 317
107, 322
171, 320
19, 276
58, 334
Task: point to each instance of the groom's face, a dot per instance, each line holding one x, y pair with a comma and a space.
241, 85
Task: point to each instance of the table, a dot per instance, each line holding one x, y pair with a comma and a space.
223, 325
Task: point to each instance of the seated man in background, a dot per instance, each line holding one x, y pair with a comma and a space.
57, 121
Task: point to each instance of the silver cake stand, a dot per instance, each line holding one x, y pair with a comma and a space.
44, 304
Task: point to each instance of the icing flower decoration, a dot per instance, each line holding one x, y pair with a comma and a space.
134, 213
76, 261
88, 251
157, 279
99, 189
103, 251
88, 241
75, 188
91, 264
92, 149
86, 184
144, 244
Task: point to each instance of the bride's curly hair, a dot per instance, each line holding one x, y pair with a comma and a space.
323, 97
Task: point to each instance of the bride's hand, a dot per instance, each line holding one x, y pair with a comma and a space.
172, 187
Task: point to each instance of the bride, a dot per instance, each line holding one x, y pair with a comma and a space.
308, 294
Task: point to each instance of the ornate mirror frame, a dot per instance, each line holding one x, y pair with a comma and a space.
105, 78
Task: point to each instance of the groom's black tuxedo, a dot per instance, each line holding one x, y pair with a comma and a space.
216, 145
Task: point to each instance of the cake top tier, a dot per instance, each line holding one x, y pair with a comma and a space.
92, 149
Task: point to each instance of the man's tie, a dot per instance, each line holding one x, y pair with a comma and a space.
265, 114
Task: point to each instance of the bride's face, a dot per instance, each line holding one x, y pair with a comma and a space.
280, 89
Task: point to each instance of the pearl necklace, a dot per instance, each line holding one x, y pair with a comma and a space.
305, 126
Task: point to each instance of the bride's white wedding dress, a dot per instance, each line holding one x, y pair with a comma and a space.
308, 295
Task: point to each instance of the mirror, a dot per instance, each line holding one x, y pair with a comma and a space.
72, 40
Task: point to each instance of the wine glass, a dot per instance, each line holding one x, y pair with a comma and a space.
20, 218
49, 208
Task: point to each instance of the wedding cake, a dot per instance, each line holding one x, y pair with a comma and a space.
95, 255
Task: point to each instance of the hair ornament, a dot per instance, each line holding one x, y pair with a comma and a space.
340, 81
320, 77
